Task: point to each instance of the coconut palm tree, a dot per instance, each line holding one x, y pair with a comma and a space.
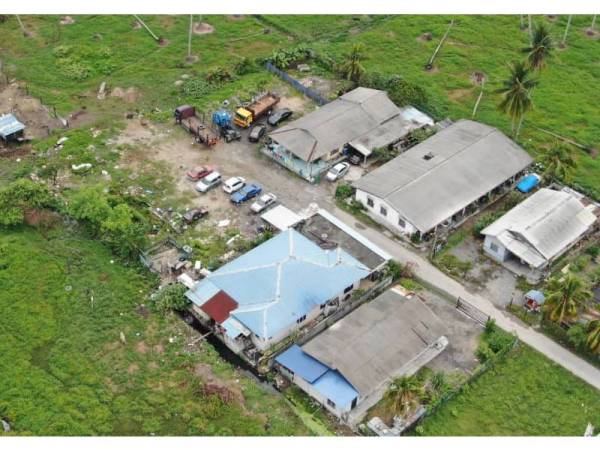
516, 91
404, 393
565, 297
558, 162
567, 28
593, 338
541, 48
352, 68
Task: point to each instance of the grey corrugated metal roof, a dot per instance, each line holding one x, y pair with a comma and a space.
335, 124
371, 344
468, 160
9, 125
542, 226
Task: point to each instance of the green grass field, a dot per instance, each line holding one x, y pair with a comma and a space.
525, 395
65, 370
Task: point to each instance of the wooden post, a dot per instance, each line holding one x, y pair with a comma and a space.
478, 98
429, 65
189, 55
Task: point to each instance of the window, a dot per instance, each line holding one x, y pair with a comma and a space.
330, 403
494, 248
348, 289
383, 211
401, 223
370, 202
301, 319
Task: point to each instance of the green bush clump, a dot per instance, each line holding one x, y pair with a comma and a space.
484, 221
171, 298
343, 191
19, 197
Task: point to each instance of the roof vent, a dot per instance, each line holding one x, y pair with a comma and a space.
428, 156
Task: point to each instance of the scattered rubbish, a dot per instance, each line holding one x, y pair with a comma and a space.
102, 91
61, 141
81, 167
68, 288
122, 337
223, 223
66, 20
303, 68
5, 426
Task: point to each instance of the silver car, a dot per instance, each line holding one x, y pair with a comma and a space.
338, 171
263, 202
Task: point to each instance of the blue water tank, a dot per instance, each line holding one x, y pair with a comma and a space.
528, 182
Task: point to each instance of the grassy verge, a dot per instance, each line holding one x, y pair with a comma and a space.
526, 394
66, 370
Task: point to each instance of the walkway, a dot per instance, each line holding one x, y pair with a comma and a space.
431, 275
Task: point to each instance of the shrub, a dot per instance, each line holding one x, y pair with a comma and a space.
196, 88
484, 352
485, 220
284, 58
218, 76
244, 66
451, 264
499, 340
171, 298
593, 251
20, 196
393, 269
344, 191
490, 325
577, 336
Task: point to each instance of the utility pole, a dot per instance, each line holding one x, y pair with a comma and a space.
593, 23
479, 97
564, 41
22, 26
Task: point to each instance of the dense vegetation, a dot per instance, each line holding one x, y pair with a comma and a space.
83, 355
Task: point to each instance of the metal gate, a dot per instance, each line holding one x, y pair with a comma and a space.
472, 311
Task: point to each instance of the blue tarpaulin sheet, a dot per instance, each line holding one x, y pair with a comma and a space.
528, 182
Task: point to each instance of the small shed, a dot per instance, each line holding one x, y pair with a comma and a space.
281, 217
10, 128
534, 300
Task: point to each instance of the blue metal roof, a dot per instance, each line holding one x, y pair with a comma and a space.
9, 125
280, 281
335, 387
537, 296
302, 364
330, 383
528, 182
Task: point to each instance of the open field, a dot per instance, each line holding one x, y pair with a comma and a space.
66, 371
525, 395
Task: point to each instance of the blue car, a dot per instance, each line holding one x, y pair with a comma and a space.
249, 191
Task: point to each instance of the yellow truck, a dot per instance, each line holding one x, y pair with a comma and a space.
246, 115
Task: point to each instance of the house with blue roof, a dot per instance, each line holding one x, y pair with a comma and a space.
284, 284
349, 366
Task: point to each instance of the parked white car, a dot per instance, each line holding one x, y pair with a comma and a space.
208, 182
263, 202
233, 184
338, 171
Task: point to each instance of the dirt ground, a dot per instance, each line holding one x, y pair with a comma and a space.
462, 333
28, 110
172, 145
487, 278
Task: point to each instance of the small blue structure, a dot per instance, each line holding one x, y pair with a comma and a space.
325, 384
10, 128
222, 118
534, 300
528, 182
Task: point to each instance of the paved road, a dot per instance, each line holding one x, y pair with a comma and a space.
432, 275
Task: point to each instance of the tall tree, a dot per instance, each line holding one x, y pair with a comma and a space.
516, 91
593, 338
404, 393
352, 68
541, 48
558, 162
565, 298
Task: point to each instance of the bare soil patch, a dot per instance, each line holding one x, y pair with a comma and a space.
29, 110
66, 20
477, 78
236, 17
227, 392
425, 37
133, 368
594, 34
202, 28
141, 347
459, 94
130, 95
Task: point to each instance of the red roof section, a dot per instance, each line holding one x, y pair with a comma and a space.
219, 307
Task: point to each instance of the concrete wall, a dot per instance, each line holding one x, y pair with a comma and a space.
390, 220
500, 254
